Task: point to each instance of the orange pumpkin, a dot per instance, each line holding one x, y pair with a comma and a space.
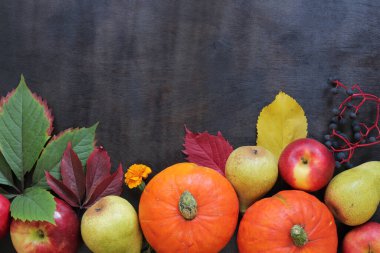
188, 208
290, 221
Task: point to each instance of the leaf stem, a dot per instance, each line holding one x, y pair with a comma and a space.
17, 189
141, 186
22, 183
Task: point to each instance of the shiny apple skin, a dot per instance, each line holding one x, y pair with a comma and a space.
306, 164
362, 239
4, 215
44, 237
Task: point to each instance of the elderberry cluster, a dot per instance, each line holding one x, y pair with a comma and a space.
346, 132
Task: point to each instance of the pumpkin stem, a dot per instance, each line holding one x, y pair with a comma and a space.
299, 236
187, 205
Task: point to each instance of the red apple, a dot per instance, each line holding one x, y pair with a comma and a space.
44, 237
364, 238
306, 164
4, 215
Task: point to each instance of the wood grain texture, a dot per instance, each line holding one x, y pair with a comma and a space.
144, 69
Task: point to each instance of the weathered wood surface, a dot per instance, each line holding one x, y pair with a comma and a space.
144, 69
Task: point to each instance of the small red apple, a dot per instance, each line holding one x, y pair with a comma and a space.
306, 164
364, 238
44, 237
4, 215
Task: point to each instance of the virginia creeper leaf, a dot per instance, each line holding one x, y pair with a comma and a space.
5, 172
73, 185
97, 167
82, 141
280, 123
61, 190
110, 185
72, 173
115, 187
207, 150
35, 204
25, 126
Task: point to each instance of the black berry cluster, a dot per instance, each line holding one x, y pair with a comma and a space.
346, 131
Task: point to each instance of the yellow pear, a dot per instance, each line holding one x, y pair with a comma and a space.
253, 171
354, 195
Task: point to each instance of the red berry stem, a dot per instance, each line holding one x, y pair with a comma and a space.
366, 134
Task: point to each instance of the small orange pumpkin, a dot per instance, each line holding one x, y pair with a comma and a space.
289, 221
188, 208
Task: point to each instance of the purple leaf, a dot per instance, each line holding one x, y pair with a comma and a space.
61, 190
98, 166
110, 185
72, 173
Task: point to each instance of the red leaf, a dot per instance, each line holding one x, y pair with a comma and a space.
61, 190
80, 190
110, 185
72, 173
207, 150
98, 166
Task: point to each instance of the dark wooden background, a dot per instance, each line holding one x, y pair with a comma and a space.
144, 69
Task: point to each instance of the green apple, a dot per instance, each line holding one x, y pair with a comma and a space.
111, 226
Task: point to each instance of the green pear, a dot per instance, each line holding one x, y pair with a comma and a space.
111, 226
253, 171
354, 195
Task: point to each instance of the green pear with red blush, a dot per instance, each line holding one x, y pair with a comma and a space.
353, 195
252, 170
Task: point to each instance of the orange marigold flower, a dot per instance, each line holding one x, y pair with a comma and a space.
135, 174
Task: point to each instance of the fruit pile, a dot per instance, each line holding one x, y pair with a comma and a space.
297, 218
56, 190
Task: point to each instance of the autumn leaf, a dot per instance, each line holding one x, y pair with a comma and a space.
81, 189
98, 167
109, 185
72, 173
280, 123
27, 151
207, 150
62, 190
82, 142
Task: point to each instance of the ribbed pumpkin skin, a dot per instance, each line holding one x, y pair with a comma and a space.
265, 227
162, 223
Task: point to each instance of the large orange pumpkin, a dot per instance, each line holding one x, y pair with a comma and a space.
188, 208
290, 221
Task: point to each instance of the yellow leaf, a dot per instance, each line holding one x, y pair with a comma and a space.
280, 123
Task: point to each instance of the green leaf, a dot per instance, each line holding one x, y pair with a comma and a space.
5, 172
82, 141
36, 204
25, 126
